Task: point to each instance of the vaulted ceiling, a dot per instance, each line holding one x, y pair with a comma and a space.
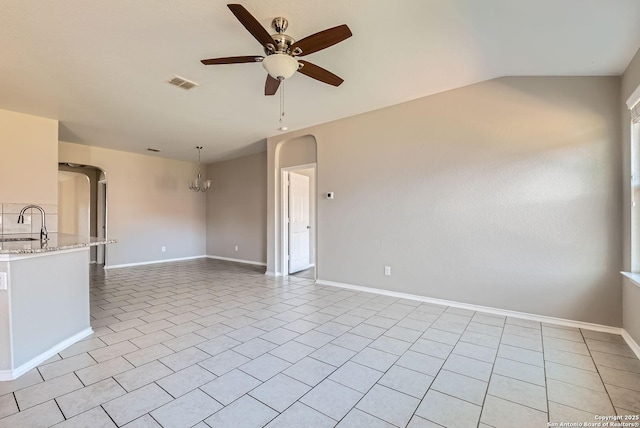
100, 67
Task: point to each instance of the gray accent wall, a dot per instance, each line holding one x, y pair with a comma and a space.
630, 291
504, 193
236, 208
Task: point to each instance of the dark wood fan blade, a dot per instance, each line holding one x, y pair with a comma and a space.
321, 40
251, 24
319, 73
231, 60
271, 85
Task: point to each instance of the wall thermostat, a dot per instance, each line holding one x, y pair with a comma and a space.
329, 195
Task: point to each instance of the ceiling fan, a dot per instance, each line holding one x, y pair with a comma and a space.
282, 50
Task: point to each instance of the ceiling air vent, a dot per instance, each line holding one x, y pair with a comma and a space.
181, 82
153, 150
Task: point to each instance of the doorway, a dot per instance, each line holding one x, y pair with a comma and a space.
299, 216
93, 219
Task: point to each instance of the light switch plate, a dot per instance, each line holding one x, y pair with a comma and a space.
3, 280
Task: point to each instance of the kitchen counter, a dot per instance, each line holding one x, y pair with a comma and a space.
44, 298
56, 242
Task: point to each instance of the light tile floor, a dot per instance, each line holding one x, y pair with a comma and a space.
214, 344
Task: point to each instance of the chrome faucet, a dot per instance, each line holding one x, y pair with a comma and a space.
44, 236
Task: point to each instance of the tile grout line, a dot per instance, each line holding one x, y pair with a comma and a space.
544, 369
16, 401
337, 368
598, 371
445, 361
493, 366
546, 392
383, 373
55, 400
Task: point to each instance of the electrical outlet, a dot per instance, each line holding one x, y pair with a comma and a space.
3, 280
164, 249
387, 270
236, 248
27, 219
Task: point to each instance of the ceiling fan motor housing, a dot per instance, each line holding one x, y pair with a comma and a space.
282, 42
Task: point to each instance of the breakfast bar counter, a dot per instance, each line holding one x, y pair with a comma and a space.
31, 243
44, 297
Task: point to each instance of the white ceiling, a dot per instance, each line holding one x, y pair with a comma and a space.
100, 66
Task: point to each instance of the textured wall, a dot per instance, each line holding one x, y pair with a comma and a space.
149, 204
236, 208
630, 291
505, 193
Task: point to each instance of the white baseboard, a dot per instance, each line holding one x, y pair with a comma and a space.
34, 362
486, 309
153, 262
268, 273
632, 343
229, 259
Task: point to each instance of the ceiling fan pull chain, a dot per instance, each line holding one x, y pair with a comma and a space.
281, 100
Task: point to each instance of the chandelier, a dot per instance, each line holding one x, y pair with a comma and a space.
198, 184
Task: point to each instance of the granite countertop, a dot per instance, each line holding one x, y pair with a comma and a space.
56, 242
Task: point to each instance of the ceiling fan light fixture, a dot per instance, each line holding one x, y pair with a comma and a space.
280, 66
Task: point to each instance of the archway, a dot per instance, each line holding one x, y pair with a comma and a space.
296, 155
96, 205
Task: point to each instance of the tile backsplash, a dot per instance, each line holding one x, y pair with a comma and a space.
9, 218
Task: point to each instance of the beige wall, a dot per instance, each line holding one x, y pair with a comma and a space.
73, 203
149, 204
503, 194
236, 208
28, 146
630, 291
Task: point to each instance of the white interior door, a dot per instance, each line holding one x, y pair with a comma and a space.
299, 226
